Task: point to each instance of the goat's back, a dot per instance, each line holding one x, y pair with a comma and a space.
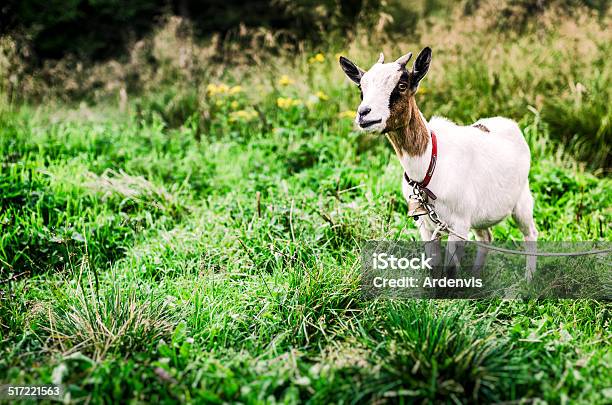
481, 173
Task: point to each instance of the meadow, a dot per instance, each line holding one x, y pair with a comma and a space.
200, 241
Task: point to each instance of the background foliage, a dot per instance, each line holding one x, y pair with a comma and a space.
496, 56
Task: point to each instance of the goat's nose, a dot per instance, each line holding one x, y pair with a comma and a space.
364, 110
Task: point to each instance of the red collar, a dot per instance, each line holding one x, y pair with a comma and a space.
430, 170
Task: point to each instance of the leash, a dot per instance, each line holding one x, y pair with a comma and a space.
422, 194
442, 227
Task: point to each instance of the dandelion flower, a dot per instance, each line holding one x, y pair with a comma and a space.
242, 115
211, 89
287, 102
234, 104
285, 80
318, 58
322, 96
281, 102
214, 89
235, 89
347, 114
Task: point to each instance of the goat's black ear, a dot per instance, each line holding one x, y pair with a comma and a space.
351, 70
420, 68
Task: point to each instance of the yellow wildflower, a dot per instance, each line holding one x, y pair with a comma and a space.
242, 115
281, 102
287, 102
347, 114
234, 104
214, 89
322, 96
422, 90
211, 88
235, 89
318, 58
285, 80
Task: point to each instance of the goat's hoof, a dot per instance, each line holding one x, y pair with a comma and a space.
477, 270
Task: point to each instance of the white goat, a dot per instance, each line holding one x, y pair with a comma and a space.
481, 173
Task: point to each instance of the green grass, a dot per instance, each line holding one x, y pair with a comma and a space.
155, 274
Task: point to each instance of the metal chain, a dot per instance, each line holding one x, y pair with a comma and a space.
420, 195
443, 227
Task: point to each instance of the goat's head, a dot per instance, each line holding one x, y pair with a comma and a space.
386, 90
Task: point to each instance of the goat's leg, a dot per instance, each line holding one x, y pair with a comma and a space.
454, 250
484, 236
523, 215
432, 246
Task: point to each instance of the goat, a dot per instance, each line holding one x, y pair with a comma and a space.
481, 171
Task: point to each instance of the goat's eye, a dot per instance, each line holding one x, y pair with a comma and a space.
402, 86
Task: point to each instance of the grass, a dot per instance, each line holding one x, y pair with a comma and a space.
195, 289
184, 251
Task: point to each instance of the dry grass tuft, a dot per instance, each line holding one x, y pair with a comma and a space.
134, 189
117, 319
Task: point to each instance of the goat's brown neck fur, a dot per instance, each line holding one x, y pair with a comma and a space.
409, 134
